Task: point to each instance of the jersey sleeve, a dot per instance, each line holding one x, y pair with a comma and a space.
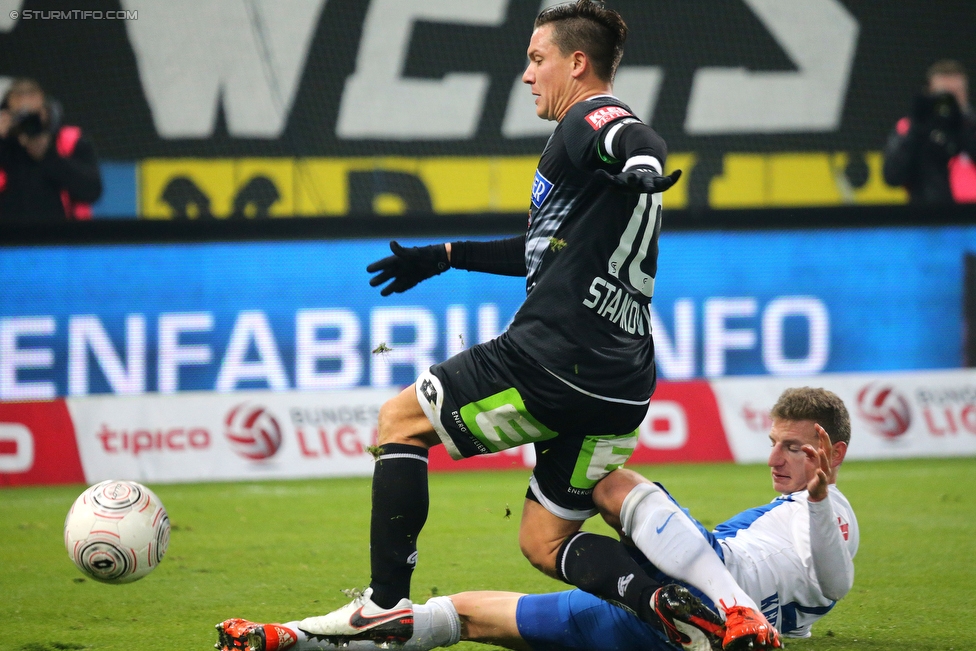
503, 257
832, 559
609, 136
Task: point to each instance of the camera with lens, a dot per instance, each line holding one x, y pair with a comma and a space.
939, 111
940, 119
34, 122
28, 123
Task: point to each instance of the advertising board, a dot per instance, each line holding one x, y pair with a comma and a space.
300, 315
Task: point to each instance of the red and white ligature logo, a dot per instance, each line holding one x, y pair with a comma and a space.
253, 432
602, 116
885, 409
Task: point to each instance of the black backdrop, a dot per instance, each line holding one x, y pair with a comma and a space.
91, 67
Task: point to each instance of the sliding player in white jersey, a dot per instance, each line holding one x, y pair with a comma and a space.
792, 556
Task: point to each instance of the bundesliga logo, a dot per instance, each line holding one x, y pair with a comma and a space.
253, 432
885, 409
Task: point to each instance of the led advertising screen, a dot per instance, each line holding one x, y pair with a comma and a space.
300, 315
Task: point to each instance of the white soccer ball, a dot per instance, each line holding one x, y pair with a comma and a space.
116, 531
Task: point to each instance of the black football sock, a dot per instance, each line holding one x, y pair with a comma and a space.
603, 567
400, 503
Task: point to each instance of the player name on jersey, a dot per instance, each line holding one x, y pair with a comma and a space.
615, 304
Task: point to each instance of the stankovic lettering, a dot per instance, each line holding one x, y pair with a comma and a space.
618, 306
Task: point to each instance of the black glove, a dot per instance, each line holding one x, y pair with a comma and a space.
407, 267
640, 179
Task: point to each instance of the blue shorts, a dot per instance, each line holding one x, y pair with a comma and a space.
578, 621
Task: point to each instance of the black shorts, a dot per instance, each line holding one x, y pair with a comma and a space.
493, 397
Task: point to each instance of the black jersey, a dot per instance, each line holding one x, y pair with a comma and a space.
591, 257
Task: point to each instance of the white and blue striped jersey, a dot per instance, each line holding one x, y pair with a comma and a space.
775, 558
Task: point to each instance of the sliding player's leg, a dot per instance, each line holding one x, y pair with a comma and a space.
436, 624
568, 620
681, 548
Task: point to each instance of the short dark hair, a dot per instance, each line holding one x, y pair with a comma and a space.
591, 28
946, 67
819, 405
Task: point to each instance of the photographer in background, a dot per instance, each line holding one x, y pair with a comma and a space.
48, 171
932, 152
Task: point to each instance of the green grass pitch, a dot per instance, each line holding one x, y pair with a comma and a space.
282, 550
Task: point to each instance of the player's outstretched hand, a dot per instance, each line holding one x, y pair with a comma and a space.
640, 180
820, 460
408, 266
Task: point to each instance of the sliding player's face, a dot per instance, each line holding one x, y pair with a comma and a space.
787, 461
549, 74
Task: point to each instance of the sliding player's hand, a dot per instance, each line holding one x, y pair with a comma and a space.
819, 460
408, 266
640, 180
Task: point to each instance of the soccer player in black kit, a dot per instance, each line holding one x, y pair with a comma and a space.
572, 375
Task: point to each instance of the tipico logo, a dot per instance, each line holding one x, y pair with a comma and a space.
253, 432
885, 409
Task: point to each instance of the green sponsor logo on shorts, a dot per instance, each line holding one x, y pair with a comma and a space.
600, 455
501, 421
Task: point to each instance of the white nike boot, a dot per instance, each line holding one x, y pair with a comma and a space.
363, 620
